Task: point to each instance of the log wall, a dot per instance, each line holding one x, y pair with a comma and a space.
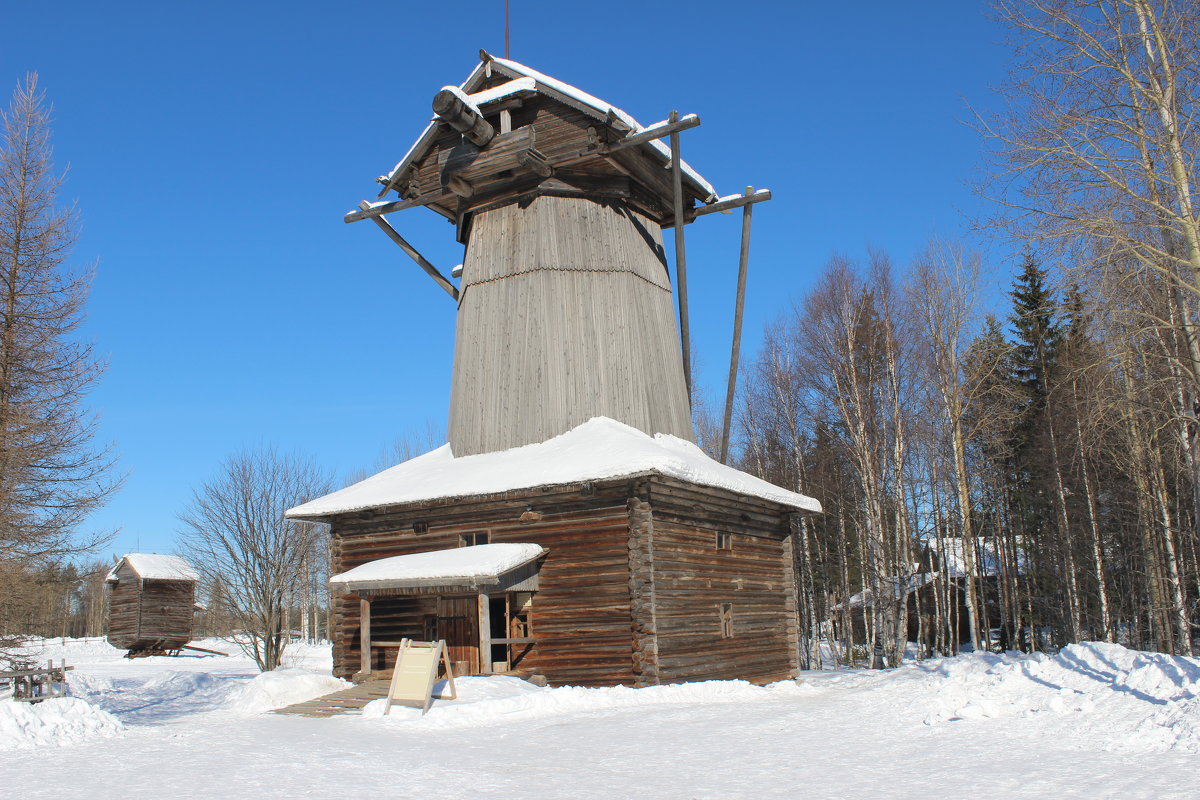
150, 614
580, 614
692, 578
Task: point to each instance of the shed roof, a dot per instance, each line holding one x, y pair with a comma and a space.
152, 566
469, 567
598, 449
526, 80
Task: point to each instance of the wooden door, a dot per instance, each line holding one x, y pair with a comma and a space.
458, 625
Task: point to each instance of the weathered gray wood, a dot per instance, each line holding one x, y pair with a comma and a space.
642, 607
460, 186
485, 634
412, 253
734, 202
149, 614
680, 258
536, 161
364, 615
565, 314
368, 210
655, 132
739, 302
462, 117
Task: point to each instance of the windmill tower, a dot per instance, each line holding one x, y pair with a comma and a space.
565, 306
570, 477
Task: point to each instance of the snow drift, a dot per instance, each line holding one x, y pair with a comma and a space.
1130, 700
282, 687
55, 721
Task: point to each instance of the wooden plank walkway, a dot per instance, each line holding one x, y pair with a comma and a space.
345, 701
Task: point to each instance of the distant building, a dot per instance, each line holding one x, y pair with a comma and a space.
152, 602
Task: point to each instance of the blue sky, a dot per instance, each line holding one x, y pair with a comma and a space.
214, 147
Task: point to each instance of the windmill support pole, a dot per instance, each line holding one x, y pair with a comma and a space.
422, 262
681, 257
739, 303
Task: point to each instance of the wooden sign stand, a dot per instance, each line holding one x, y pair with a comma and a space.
416, 673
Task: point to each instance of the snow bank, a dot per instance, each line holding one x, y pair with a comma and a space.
1133, 700
503, 700
282, 687
57, 721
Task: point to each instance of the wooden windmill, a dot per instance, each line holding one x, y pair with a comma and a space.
564, 309
571, 528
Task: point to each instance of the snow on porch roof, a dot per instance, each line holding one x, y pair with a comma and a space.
151, 566
599, 449
472, 567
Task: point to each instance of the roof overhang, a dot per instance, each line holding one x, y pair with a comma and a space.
481, 568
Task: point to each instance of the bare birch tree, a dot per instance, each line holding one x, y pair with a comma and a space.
237, 537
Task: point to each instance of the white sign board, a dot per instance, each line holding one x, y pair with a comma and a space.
415, 674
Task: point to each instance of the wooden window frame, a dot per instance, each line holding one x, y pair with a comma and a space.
472, 539
724, 541
725, 615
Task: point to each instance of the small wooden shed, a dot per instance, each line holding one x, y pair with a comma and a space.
151, 602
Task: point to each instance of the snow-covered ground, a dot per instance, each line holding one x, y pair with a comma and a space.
1094, 721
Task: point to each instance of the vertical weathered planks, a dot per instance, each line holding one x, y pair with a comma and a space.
565, 314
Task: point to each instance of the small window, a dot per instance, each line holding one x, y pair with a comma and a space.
472, 539
431, 628
724, 540
726, 620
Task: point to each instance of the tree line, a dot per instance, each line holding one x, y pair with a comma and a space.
1032, 478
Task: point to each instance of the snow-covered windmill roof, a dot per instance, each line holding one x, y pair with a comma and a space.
526, 79
467, 566
600, 448
152, 566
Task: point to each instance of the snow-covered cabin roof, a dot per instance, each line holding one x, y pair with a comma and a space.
152, 566
469, 567
529, 81
600, 448
986, 559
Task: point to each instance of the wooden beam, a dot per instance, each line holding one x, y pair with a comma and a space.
368, 210
655, 132
412, 253
462, 116
460, 186
730, 203
536, 162
739, 302
680, 257
364, 613
485, 634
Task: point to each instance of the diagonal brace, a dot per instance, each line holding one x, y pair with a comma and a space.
412, 253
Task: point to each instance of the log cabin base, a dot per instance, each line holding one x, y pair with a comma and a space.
646, 580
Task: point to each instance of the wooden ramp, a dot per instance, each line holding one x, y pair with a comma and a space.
345, 701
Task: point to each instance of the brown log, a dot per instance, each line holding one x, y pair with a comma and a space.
463, 117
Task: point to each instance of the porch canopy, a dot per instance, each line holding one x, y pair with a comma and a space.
465, 569
483, 570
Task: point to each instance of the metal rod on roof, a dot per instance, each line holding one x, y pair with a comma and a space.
680, 257
506, 29
739, 303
